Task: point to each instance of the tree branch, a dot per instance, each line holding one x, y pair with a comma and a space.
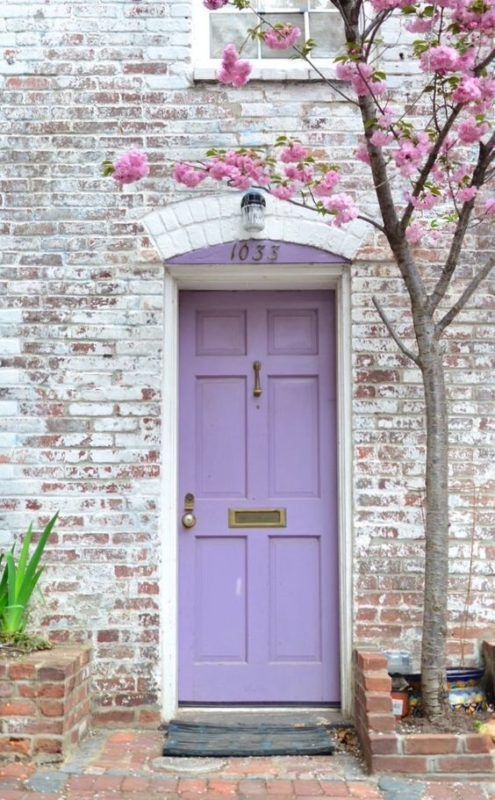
428, 165
450, 265
395, 236
463, 299
398, 341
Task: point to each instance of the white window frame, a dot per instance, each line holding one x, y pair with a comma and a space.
206, 68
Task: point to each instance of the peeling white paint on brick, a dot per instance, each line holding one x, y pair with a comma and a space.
81, 330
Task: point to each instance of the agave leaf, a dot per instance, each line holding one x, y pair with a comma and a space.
11, 585
27, 589
31, 568
17, 583
23, 558
13, 618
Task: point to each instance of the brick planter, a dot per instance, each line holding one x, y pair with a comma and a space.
44, 703
386, 750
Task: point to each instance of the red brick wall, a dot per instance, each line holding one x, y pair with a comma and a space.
386, 750
81, 338
44, 703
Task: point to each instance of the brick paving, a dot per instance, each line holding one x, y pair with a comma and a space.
128, 765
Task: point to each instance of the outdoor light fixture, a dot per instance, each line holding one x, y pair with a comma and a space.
253, 211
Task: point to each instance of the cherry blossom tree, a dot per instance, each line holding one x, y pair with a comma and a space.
430, 150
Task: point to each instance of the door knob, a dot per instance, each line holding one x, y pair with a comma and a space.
188, 518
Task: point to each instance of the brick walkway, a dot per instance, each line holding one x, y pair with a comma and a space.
127, 765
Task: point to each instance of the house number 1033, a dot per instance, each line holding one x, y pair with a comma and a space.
254, 251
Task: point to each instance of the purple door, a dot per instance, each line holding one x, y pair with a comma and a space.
259, 570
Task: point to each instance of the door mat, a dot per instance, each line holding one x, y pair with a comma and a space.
243, 739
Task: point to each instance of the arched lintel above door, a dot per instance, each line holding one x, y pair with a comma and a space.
194, 231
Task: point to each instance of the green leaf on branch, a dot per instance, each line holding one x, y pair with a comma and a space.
308, 46
107, 168
420, 46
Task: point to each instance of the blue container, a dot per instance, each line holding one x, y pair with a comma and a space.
463, 684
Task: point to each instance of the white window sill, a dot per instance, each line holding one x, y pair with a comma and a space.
281, 70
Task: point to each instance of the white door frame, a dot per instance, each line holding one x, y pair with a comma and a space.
248, 277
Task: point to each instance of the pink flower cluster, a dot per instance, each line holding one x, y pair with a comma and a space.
188, 175
471, 131
411, 153
343, 207
283, 37
326, 186
294, 153
214, 5
389, 5
241, 170
233, 71
361, 76
441, 59
131, 167
296, 169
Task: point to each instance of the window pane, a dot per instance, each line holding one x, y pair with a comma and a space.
328, 32
232, 29
276, 5
322, 5
291, 19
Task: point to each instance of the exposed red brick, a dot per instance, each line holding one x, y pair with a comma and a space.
466, 763
17, 708
400, 764
476, 743
429, 744
377, 682
383, 723
383, 744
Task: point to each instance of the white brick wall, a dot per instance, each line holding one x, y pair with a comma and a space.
81, 334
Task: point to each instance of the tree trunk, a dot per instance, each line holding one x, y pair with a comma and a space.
433, 656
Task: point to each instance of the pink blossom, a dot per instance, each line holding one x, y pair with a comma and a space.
490, 206
343, 206
460, 174
214, 5
361, 77
468, 91
421, 25
362, 154
410, 154
294, 153
426, 201
131, 167
284, 192
441, 59
389, 5
327, 185
242, 182
470, 131
188, 175
305, 175
381, 138
218, 170
233, 71
467, 194
415, 232
282, 38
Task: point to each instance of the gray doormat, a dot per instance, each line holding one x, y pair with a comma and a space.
244, 739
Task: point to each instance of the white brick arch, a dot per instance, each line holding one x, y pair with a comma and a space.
216, 219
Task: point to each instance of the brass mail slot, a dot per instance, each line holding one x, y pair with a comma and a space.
257, 517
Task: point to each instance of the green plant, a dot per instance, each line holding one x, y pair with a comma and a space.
19, 579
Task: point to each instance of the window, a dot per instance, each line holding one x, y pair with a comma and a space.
317, 20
